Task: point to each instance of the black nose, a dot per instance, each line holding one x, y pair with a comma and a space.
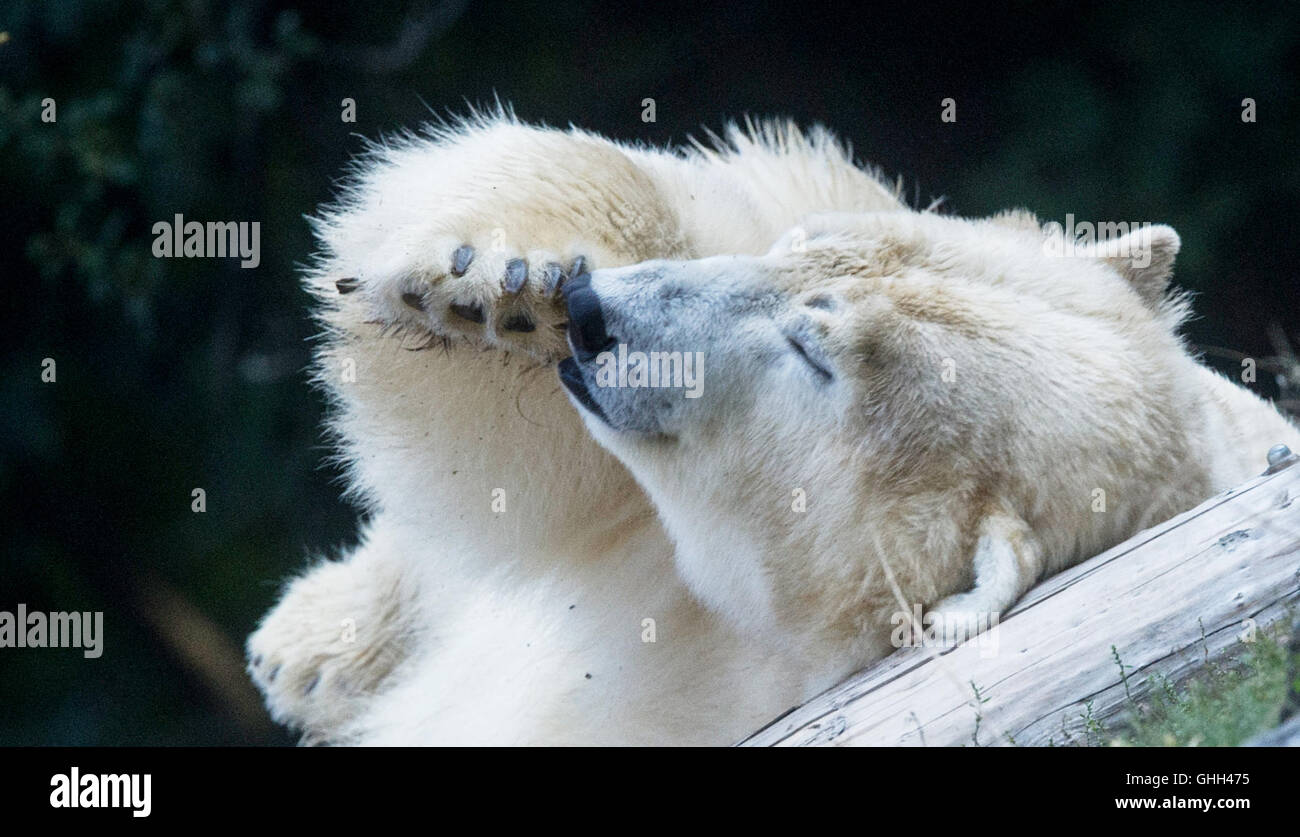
586, 322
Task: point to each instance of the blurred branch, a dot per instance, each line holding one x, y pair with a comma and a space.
205, 650
1270, 363
1283, 363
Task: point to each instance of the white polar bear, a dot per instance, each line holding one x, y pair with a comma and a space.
515, 585
951, 399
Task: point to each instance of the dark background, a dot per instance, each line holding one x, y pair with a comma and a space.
184, 373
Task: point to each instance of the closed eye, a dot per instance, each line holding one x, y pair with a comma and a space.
801, 351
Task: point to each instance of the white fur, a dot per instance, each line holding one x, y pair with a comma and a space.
475, 624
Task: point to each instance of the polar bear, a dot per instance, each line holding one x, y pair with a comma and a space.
949, 398
632, 571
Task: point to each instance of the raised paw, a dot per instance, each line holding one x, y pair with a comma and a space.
487, 295
323, 650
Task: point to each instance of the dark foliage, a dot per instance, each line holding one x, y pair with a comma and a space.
184, 373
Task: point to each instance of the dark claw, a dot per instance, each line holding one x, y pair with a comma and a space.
552, 280
275, 672
473, 313
346, 286
312, 685
413, 300
460, 260
257, 661
579, 266
516, 275
519, 322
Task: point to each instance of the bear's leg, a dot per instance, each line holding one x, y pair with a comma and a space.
336, 633
1008, 561
470, 237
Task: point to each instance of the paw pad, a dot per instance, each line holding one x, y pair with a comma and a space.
514, 296
473, 312
519, 322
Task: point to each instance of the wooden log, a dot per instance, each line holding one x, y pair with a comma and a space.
1166, 602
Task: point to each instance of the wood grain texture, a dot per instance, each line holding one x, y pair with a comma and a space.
1166, 601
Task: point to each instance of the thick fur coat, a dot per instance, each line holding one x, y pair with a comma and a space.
895, 407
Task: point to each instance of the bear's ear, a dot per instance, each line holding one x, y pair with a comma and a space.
1145, 257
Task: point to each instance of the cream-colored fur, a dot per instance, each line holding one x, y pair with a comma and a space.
513, 573
973, 412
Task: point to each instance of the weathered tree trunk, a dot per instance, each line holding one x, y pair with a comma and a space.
1165, 602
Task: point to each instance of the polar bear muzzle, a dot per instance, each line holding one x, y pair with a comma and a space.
639, 335
571, 377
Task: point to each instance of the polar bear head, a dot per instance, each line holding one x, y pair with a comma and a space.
845, 408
